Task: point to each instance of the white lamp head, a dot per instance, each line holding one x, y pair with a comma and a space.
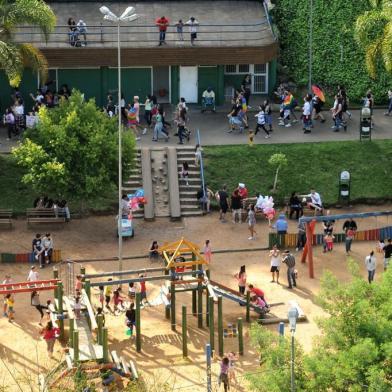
127, 12
109, 15
129, 18
292, 316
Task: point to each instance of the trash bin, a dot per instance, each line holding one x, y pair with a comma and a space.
365, 124
344, 186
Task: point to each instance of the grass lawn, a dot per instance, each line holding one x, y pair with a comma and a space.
309, 165
18, 196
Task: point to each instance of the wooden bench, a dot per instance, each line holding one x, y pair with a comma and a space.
43, 215
6, 217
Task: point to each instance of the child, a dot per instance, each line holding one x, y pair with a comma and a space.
261, 121
198, 152
118, 300
77, 307
329, 241
232, 358
380, 246
130, 318
154, 251
78, 285
132, 292
100, 312
241, 278
101, 295
143, 290
10, 304
207, 251
108, 292
257, 301
268, 114
184, 172
224, 371
180, 26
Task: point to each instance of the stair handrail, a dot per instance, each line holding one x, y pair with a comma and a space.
201, 163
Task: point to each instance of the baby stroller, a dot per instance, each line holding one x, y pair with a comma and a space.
187, 133
365, 124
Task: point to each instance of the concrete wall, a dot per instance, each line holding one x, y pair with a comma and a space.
174, 190
149, 207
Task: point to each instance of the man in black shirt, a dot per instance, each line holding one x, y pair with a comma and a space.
350, 224
236, 205
38, 249
222, 198
387, 253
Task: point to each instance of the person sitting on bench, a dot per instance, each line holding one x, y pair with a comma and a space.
208, 100
295, 206
315, 201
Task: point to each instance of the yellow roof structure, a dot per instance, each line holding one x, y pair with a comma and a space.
175, 249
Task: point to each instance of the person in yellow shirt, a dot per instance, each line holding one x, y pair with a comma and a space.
108, 293
10, 304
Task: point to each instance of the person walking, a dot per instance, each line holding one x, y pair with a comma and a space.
307, 114
350, 233
387, 253
268, 114
222, 198
224, 373
158, 129
275, 263
370, 263
5, 306
251, 221
261, 122
162, 24
10, 306
389, 111
37, 304
289, 260
192, 23
33, 275
130, 318
50, 333
241, 278
207, 251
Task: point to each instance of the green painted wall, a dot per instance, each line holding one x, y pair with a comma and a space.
134, 81
272, 76
233, 80
175, 84
88, 81
207, 77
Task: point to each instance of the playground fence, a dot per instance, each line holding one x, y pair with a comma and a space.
27, 257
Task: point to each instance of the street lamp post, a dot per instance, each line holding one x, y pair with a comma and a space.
310, 64
292, 316
126, 16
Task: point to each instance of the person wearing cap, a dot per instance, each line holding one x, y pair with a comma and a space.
5, 306
242, 191
192, 23
289, 260
33, 275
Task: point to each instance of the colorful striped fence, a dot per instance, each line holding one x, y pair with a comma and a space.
27, 257
290, 240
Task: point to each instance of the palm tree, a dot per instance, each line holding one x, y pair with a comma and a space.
14, 56
373, 31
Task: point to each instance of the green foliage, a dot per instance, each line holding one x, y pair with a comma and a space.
337, 57
310, 165
73, 151
15, 56
354, 352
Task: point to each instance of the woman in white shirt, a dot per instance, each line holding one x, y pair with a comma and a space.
307, 113
371, 262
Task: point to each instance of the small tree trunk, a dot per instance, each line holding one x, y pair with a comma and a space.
276, 179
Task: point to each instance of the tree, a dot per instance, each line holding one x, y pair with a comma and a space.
373, 30
277, 160
15, 56
73, 151
354, 351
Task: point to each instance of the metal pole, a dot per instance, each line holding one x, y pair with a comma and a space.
240, 336
208, 357
75, 341
184, 331
310, 43
105, 347
248, 307
199, 305
100, 328
292, 363
220, 326
173, 306
281, 328
211, 316
60, 308
119, 152
138, 326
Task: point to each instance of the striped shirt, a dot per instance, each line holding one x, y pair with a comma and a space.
289, 260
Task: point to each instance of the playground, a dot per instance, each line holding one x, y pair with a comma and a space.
159, 358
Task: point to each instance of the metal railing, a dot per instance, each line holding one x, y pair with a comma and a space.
201, 163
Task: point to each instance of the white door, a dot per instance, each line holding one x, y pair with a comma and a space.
188, 84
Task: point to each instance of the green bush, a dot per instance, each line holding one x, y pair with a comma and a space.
337, 57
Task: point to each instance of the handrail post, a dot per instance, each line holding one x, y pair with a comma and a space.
201, 164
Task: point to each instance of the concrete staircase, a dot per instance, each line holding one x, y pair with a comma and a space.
188, 198
134, 182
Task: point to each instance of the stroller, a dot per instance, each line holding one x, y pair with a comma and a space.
365, 124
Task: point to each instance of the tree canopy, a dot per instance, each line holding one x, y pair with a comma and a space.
73, 151
16, 55
354, 352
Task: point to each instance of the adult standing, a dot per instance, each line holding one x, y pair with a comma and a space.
241, 278
350, 233
35, 301
370, 263
387, 253
328, 230
251, 222
236, 204
246, 86
307, 114
275, 263
301, 236
192, 23
147, 109
289, 260
50, 333
222, 198
162, 24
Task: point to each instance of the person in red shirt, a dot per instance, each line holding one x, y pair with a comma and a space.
257, 292
162, 24
143, 291
242, 191
50, 333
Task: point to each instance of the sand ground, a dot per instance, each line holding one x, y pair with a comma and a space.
22, 352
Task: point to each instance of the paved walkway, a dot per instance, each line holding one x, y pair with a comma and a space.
213, 130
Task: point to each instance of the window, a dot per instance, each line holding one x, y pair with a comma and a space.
259, 74
231, 68
260, 69
243, 68
237, 68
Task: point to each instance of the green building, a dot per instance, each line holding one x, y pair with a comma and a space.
233, 38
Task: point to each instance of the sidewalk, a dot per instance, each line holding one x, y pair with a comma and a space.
213, 130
